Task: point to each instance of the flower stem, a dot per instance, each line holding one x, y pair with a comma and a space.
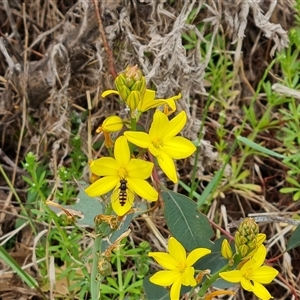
208, 283
133, 124
95, 282
101, 230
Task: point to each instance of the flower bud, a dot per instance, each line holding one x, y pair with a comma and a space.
131, 80
226, 250
246, 237
111, 124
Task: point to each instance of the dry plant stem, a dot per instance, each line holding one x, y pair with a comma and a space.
226, 233
23, 116
292, 289
110, 59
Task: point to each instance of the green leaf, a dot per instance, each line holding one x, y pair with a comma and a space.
155, 292
106, 289
288, 190
187, 225
128, 277
210, 187
31, 282
259, 147
296, 196
294, 240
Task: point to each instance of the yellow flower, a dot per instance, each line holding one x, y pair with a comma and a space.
138, 103
252, 275
163, 143
117, 170
148, 101
179, 270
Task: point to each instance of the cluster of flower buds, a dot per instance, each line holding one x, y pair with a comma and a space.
131, 85
247, 240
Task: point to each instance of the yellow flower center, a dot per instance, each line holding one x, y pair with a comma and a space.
181, 266
248, 274
122, 173
158, 142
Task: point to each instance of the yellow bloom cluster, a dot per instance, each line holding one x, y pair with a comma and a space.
250, 256
126, 176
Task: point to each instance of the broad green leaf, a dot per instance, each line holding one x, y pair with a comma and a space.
294, 240
155, 292
88, 206
259, 147
187, 225
30, 281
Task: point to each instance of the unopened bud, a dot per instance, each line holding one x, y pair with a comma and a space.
131, 80
246, 237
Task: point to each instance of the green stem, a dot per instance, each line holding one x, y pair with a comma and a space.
101, 231
18, 199
95, 282
133, 124
208, 283
120, 278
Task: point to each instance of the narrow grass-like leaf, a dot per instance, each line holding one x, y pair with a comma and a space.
30, 281
187, 225
210, 187
259, 148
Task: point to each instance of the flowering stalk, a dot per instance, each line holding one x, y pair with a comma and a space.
208, 283
100, 231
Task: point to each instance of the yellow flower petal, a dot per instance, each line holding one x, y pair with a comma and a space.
142, 188
165, 278
196, 254
159, 124
166, 163
164, 259
105, 166
121, 151
176, 250
147, 101
261, 292
171, 101
179, 147
264, 274
118, 208
109, 92
102, 186
139, 168
246, 284
256, 260
234, 276
175, 126
138, 138
187, 277
260, 238
175, 290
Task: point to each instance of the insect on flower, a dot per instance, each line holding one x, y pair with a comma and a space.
122, 193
